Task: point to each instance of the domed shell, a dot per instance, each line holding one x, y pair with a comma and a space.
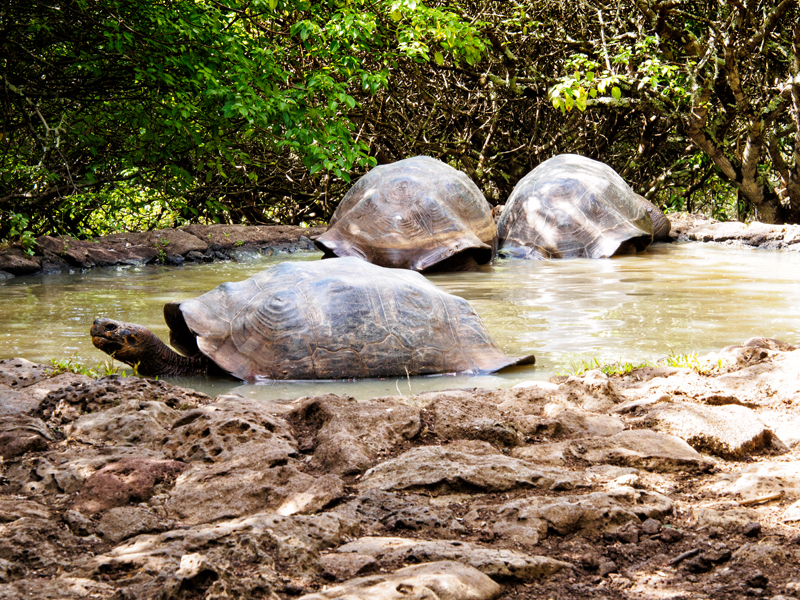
334, 319
571, 206
418, 213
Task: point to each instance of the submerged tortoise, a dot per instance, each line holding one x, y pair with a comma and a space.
418, 213
334, 319
571, 206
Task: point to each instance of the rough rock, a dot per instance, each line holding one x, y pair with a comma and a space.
442, 580
347, 566
526, 522
20, 373
57, 588
643, 449
729, 431
20, 434
273, 237
347, 437
132, 423
458, 415
258, 477
593, 391
451, 475
375, 510
734, 517
15, 261
123, 522
65, 470
66, 405
461, 468
758, 481
17, 401
791, 514
126, 481
212, 432
773, 383
171, 246
492, 562
696, 228
259, 541
557, 421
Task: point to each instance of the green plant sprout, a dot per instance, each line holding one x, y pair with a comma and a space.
74, 365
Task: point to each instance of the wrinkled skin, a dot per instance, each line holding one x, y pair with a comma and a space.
139, 347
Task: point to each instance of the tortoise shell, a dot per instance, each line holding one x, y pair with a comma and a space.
418, 213
335, 319
571, 206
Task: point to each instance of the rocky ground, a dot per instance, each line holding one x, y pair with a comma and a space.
664, 483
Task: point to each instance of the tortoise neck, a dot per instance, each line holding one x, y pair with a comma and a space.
161, 360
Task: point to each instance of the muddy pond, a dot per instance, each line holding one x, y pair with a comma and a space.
675, 298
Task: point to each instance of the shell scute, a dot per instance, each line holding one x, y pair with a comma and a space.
413, 214
573, 207
338, 319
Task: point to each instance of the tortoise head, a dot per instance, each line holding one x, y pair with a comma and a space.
129, 343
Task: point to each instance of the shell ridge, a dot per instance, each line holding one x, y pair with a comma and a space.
311, 325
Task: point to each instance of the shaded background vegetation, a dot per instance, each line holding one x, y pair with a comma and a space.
125, 114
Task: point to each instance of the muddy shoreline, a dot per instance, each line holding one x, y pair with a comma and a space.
207, 243
662, 483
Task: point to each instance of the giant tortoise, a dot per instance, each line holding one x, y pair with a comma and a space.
418, 213
571, 206
335, 319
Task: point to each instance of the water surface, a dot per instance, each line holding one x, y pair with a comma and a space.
680, 298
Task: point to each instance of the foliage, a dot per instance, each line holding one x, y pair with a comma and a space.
125, 114
19, 233
198, 104
691, 361
74, 365
727, 80
610, 369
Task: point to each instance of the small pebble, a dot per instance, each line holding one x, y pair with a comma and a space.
607, 566
757, 580
670, 535
628, 536
752, 529
651, 526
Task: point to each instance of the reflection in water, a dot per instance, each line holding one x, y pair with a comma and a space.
681, 298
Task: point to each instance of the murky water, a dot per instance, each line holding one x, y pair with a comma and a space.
674, 298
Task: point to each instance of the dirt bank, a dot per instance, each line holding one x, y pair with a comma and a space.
193, 243
664, 483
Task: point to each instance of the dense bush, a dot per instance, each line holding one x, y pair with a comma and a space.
132, 114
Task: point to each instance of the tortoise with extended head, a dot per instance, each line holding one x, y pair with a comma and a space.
661, 224
571, 206
334, 319
418, 213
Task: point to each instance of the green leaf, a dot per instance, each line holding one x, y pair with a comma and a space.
438, 58
616, 93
